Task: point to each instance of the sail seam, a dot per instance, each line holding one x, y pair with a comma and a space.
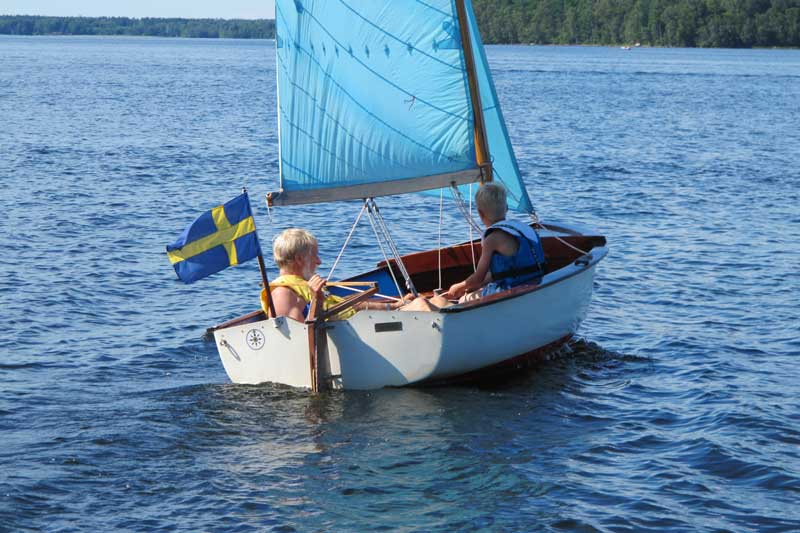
398, 39
376, 117
432, 7
366, 67
349, 133
291, 124
314, 179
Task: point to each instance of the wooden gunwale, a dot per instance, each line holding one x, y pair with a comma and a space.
255, 316
522, 290
348, 303
459, 255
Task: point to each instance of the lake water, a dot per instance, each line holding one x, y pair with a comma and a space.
678, 409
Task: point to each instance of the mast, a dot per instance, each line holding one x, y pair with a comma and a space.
481, 145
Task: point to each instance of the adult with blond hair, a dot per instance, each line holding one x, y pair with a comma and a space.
296, 252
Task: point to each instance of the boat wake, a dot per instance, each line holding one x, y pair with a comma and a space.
589, 351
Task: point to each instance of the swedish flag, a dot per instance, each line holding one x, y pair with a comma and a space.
223, 237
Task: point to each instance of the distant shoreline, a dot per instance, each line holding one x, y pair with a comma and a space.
494, 30
31, 25
643, 47
113, 36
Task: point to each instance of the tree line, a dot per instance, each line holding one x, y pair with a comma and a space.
153, 27
686, 23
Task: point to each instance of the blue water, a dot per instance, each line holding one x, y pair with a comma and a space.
677, 410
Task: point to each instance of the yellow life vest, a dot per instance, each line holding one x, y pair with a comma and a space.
300, 287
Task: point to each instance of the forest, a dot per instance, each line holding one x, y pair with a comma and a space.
683, 23
153, 27
680, 23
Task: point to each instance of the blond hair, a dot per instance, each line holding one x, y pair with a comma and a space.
491, 200
292, 244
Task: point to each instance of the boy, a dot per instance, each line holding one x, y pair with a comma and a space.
511, 251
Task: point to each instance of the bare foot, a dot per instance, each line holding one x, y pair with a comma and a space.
440, 301
420, 304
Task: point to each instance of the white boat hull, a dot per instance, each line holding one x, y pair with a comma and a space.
375, 349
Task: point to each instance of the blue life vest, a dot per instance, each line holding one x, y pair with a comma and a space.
524, 266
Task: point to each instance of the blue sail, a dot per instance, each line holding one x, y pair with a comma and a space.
504, 163
373, 99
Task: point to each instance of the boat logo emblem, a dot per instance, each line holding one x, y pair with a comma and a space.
255, 339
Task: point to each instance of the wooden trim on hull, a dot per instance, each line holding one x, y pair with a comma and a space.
557, 254
585, 262
517, 365
255, 316
457, 261
423, 265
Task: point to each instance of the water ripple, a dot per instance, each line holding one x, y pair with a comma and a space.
678, 410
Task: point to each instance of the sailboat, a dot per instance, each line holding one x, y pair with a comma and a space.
380, 98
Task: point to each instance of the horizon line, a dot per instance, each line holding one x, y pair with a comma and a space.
134, 17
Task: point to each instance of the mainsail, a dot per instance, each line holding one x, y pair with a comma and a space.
373, 99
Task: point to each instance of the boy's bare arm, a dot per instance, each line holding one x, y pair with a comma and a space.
482, 275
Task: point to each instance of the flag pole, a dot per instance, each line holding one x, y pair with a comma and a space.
263, 269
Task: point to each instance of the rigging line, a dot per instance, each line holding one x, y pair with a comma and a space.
497, 176
432, 7
462, 207
376, 117
559, 239
441, 209
270, 223
377, 294
467, 214
398, 39
380, 244
471, 240
269, 215
346, 242
353, 55
394, 250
